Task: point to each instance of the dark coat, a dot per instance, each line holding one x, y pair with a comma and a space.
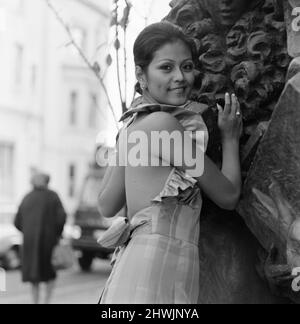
41, 218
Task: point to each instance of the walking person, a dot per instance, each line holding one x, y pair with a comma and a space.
158, 261
41, 218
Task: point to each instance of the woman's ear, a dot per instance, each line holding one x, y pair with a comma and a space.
140, 75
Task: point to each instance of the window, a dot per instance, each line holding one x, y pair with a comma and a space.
18, 64
6, 170
73, 108
92, 122
72, 176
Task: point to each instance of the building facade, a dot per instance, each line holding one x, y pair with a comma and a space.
51, 105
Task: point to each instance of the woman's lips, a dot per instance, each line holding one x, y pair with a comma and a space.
178, 89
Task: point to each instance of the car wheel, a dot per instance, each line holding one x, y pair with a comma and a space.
12, 259
85, 261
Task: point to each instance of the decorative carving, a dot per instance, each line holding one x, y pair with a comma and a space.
242, 48
292, 25
270, 203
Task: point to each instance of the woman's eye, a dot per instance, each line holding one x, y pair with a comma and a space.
188, 67
166, 67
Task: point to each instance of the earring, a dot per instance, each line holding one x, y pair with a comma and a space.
143, 86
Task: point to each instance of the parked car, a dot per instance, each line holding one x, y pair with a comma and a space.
88, 224
10, 245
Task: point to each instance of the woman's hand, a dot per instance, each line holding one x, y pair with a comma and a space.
230, 119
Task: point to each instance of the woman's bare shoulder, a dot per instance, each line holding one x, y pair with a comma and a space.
160, 120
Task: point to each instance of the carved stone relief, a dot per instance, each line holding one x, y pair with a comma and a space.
242, 48
247, 47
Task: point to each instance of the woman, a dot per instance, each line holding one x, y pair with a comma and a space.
41, 218
159, 263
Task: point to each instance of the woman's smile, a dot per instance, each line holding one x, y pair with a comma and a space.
181, 89
179, 92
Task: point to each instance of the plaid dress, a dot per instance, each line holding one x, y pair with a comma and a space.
159, 264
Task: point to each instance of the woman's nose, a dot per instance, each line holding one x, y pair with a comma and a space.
179, 75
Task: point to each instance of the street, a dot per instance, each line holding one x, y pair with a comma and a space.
72, 286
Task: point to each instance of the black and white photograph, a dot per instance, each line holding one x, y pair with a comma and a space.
149, 154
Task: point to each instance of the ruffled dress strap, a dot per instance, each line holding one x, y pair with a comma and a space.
182, 186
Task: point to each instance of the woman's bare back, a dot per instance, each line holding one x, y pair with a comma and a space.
143, 183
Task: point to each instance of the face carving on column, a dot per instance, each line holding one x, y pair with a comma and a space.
226, 12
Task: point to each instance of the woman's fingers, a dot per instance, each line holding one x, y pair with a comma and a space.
227, 107
238, 111
230, 119
234, 105
220, 109
235, 108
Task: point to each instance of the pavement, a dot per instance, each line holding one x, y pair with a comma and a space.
72, 286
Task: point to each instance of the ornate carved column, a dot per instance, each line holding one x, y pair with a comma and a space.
271, 203
246, 47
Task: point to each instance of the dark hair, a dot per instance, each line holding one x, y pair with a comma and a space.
155, 36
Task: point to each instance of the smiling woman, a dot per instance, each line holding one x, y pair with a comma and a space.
177, 55
159, 261
170, 76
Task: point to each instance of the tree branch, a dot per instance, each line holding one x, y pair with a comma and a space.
80, 52
117, 48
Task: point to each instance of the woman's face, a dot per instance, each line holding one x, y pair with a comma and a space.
170, 75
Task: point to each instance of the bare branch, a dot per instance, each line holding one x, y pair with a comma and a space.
80, 52
125, 63
117, 48
128, 6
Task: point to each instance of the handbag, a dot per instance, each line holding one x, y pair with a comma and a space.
63, 256
117, 234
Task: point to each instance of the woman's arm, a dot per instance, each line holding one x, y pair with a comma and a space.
231, 162
230, 125
106, 179
222, 187
112, 196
